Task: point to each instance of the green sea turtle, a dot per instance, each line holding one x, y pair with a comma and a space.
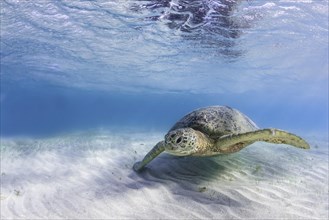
216, 130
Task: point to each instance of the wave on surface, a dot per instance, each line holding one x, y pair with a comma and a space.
90, 176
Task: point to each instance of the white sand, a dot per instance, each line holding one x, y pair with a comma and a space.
89, 176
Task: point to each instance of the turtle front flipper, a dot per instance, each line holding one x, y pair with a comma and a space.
156, 150
235, 142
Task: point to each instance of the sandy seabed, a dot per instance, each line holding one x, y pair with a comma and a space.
90, 176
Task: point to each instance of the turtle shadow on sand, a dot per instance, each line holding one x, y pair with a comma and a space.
180, 177
175, 168
187, 177
215, 180
204, 180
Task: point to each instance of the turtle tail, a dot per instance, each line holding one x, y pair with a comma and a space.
235, 142
156, 150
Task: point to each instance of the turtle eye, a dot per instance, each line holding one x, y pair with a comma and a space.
178, 140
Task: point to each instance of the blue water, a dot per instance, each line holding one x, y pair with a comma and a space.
81, 65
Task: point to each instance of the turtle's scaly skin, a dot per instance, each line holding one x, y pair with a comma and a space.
235, 142
216, 130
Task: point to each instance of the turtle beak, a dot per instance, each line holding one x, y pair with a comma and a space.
173, 150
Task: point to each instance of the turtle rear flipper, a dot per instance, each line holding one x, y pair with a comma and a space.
235, 142
156, 150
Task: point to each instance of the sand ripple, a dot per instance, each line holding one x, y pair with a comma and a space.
89, 176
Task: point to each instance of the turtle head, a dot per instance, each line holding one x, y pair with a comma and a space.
183, 141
